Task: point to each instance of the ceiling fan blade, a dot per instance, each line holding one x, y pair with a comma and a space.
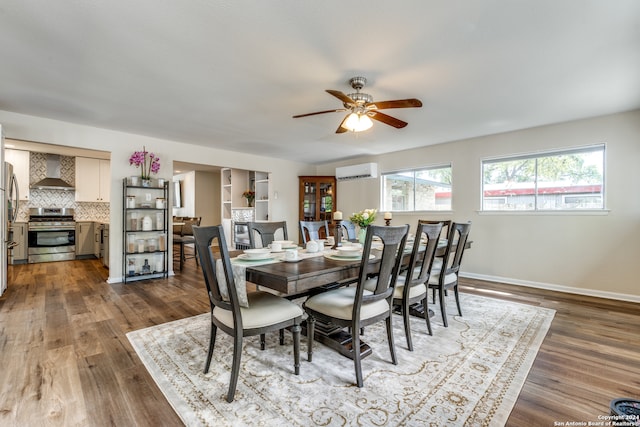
398, 103
341, 96
319, 112
386, 119
341, 128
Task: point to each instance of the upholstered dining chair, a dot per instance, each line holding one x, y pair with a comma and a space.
446, 277
349, 228
310, 230
267, 232
262, 312
411, 288
356, 307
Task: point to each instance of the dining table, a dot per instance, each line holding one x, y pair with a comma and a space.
318, 272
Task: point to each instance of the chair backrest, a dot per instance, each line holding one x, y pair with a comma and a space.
187, 228
350, 229
420, 262
393, 239
446, 225
205, 237
267, 231
457, 240
310, 230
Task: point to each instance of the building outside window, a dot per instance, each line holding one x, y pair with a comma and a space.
558, 180
426, 189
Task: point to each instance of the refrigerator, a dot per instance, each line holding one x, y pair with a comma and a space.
9, 198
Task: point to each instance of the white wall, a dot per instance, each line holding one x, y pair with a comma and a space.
587, 254
284, 179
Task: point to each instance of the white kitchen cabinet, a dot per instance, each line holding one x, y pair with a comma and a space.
20, 161
84, 238
93, 180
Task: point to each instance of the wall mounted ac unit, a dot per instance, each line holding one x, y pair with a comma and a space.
365, 170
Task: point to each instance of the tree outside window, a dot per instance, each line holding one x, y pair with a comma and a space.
560, 180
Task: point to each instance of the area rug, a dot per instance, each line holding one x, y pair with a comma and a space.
469, 374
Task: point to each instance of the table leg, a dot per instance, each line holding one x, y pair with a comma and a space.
337, 338
418, 311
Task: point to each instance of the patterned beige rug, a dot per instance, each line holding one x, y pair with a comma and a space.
469, 374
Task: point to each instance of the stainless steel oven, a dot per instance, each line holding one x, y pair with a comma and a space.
52, 235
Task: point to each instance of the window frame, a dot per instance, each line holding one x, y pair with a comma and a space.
415, 170
545, 154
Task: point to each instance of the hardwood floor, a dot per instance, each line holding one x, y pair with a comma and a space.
66, 359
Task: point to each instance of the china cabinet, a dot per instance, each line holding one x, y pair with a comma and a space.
317, 200
145, 230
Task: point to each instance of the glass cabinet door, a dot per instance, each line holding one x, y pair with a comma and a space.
309, 201
317, 198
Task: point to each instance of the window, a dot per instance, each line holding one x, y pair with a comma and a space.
559, 180
427, 189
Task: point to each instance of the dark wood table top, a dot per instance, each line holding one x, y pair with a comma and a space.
300, 277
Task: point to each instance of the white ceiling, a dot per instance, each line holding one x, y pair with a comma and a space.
231, 73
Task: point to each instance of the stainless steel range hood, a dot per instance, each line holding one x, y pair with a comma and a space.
53, 180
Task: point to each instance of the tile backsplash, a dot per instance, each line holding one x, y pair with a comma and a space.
84, 211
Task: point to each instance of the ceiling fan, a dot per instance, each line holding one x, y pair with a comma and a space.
361, 108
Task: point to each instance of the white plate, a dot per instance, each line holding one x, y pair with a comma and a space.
244, 257
343, 258
293, 260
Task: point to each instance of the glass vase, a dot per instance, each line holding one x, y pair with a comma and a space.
362, 235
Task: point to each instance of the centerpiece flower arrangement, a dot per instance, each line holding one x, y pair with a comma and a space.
148, 163
363, 219
250, 196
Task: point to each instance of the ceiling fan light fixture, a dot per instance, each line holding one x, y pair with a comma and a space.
358, 122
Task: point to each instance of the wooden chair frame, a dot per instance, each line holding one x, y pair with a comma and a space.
204, 237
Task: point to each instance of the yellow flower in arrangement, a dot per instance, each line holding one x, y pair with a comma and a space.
364, 218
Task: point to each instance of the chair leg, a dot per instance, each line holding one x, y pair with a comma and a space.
311, 324
407, 323
425, 305
455, 291
281, 336
235, 368
295, 330
356, 358
212, 342
443, 310
263, 341
392, 347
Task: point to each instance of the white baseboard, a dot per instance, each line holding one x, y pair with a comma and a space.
554, 287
